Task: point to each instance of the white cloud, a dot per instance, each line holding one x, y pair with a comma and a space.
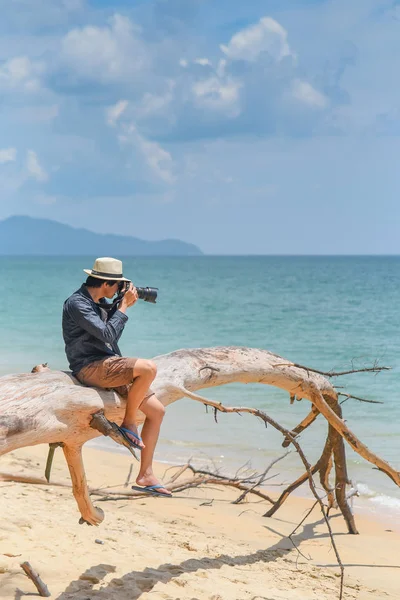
221, 67
217, 94
183, 62
8, 155
266, 36
156, 104
204, 62
34, 167
158, 159
114, 112
106, 54
304, 91
21, 73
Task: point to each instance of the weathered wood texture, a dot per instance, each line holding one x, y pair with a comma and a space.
51, 406
35, 577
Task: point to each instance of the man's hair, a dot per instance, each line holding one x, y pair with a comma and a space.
95, 282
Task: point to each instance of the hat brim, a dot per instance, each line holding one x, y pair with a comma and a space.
111, 278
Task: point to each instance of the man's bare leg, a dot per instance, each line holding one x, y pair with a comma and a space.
154, 411
144, 373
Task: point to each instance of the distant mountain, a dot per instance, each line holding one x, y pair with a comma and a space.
26, 235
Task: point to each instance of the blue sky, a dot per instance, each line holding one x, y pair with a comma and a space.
258, 127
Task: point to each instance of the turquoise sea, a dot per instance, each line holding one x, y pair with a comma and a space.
325, 312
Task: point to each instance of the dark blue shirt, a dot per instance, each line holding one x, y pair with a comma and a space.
90, 332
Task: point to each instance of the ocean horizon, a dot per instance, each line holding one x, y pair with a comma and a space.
327, 312
204, 255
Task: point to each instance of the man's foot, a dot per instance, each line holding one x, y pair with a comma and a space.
147, 483
131, 431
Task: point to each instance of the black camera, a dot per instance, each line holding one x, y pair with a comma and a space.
148, 294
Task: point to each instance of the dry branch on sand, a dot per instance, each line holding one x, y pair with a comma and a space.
52, 407
248, 484
35, 577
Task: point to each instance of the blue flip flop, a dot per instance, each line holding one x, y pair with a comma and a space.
151, 490
124, 431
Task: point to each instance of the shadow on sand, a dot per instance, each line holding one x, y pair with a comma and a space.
132, 585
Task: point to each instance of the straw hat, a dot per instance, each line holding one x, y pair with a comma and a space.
107, 268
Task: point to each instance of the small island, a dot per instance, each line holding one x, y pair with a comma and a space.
22, 236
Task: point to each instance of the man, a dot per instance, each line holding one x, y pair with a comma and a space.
91, 334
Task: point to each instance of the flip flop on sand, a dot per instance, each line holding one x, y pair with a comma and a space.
151, 490
124, 432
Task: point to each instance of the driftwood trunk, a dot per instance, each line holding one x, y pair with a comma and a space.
51, 406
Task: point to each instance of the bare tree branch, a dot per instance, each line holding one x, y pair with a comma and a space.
264, 417
374, 369
347, 396
261, 479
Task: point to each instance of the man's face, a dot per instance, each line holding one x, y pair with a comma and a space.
110, 290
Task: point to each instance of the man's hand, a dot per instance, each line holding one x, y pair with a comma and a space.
129, 298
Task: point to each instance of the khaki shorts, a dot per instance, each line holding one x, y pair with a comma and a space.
115, 373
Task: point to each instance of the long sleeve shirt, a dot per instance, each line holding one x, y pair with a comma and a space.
90, 332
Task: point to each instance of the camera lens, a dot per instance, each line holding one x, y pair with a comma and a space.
148, 294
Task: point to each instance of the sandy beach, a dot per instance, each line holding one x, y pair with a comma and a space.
196, 545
